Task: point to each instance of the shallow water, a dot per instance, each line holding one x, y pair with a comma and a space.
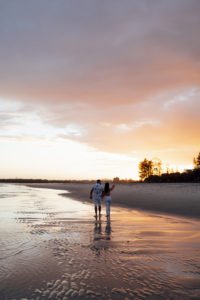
51, 247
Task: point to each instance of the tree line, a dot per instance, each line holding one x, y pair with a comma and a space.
151, 171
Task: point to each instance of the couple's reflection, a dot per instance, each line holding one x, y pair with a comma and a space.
98, 232
102, 234
97, 229
108, 230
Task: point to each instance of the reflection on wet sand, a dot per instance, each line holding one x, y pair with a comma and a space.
108, 230
97, 229
102, 235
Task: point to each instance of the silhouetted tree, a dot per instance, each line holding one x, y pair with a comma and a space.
157, 166
196, 161
145, 169
192, 175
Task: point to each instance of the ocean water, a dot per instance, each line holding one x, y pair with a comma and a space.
51, 247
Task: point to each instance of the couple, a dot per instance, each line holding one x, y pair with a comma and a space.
97, 193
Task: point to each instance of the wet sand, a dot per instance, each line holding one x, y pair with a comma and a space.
51, 247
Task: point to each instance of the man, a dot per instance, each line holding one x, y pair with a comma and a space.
96, 195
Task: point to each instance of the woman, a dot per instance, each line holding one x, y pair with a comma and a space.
107, 196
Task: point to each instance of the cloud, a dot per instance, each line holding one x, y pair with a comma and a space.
181, 98
98, 52
121, 77
125, 127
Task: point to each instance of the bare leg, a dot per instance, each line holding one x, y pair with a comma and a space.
99, 210
108, 210
95, 208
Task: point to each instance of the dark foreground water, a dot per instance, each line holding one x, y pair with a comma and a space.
51, 247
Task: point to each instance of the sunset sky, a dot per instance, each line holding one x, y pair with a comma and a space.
88, 88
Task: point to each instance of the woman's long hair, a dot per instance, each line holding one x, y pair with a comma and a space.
106, 188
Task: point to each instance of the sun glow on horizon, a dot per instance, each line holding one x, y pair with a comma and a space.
62, 159
42, 149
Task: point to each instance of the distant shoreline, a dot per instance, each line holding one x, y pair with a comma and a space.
163, 179
181, 199
47, 181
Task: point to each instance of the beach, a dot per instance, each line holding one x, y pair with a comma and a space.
181, 199
52, 247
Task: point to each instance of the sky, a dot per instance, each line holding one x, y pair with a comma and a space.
90, 88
